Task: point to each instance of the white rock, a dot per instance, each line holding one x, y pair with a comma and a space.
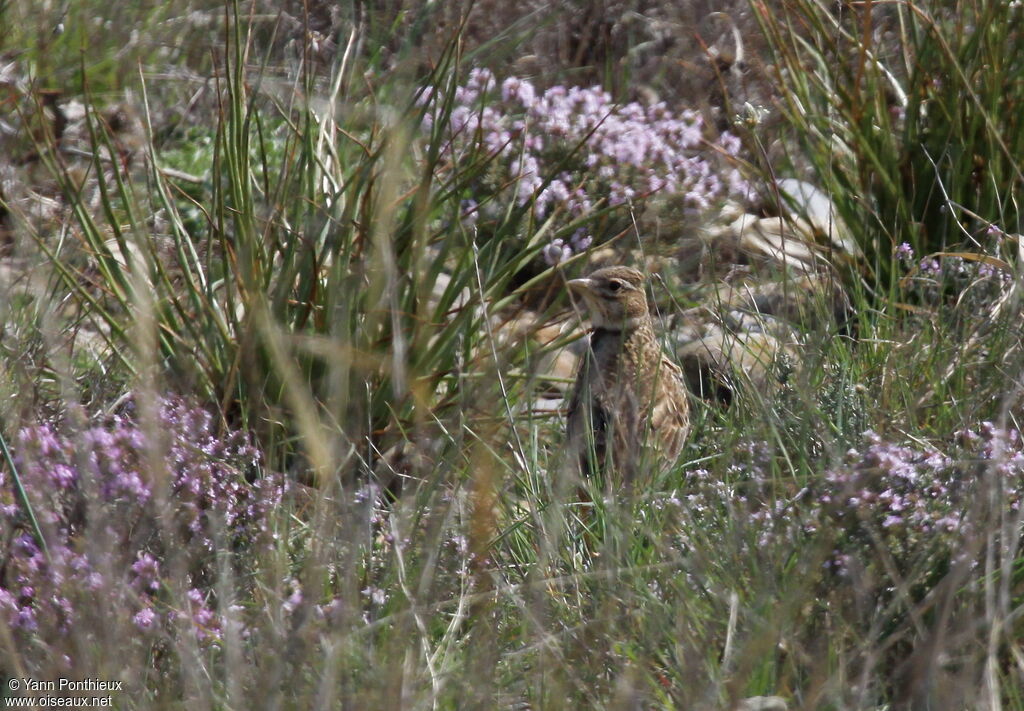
812, 204
763, 703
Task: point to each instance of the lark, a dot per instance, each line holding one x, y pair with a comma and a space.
628, 395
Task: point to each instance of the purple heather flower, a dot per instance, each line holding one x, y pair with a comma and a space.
905, 252
910, 496
145, 619
620, 193
557, 190
481, 79
557, 252
26, 619
463, 120
208, 485
520, 90
205, 623
93, 581
615, 152
580, 240
948, 523
986, 271
147, 573
25, 546
730, 143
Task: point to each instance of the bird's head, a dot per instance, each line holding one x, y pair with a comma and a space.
615, 298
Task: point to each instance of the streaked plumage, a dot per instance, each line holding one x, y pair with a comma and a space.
628, 394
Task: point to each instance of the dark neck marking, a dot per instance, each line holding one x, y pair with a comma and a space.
632, 325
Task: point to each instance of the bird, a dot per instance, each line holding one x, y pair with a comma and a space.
628, 394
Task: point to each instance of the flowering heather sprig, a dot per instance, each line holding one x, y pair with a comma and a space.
894, 487
567, 147
920, 500
205, 622
973, 284
913, 500
208, 497
146, 572
146, 619
930, 266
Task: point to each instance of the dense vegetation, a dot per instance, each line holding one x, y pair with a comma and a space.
282, 308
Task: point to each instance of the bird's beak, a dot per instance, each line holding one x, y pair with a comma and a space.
584, 286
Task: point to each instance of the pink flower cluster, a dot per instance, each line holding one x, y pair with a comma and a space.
567, 149
101, 484
911, 500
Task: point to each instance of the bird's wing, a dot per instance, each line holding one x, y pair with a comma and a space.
670, 411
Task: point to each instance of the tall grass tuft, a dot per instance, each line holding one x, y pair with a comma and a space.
908, 111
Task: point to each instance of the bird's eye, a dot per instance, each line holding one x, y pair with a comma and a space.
614, 285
